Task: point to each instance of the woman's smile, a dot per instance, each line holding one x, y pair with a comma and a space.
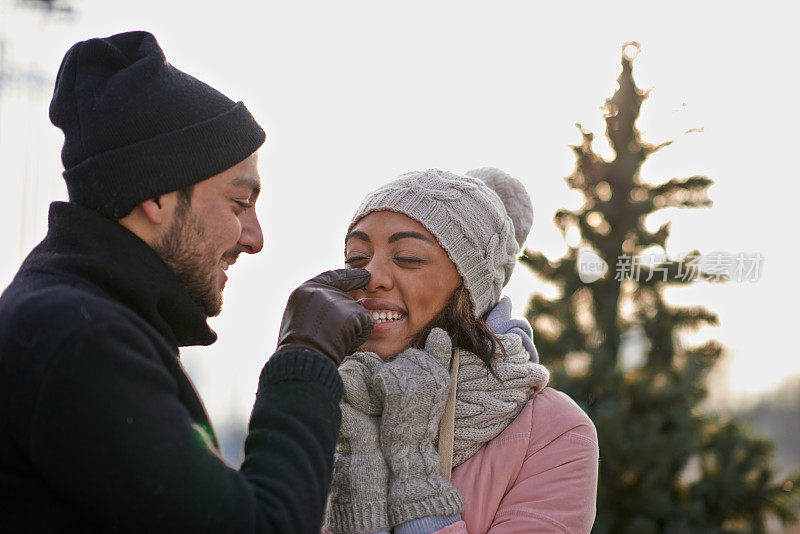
386, 314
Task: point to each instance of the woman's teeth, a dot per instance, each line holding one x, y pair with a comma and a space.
386, 316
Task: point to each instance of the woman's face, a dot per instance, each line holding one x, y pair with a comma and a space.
412, 278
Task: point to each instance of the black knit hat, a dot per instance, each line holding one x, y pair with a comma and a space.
135, 127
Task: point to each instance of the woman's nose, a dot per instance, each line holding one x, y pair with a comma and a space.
380, 276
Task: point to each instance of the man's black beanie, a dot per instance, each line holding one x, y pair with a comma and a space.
135, 127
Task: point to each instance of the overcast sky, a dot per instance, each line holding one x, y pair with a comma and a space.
352, 94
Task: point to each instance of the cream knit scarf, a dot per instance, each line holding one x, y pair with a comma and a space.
485, 404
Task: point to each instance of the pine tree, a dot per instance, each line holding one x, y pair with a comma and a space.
665, 466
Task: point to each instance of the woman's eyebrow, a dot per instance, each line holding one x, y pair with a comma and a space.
402, 235
356, 233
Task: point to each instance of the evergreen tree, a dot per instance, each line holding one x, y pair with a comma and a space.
664, 465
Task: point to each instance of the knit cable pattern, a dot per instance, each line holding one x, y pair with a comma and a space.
485, 404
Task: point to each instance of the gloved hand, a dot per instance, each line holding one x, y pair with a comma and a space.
360, 475
414, 387
321, 316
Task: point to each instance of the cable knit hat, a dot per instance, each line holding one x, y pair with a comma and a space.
481, 220
135, 127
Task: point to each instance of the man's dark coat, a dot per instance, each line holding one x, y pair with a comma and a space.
101, 430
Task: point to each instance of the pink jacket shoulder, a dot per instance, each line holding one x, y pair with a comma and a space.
538, 476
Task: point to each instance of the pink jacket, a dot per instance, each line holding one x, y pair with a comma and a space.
538, 476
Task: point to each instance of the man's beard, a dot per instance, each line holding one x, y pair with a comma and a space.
183, 249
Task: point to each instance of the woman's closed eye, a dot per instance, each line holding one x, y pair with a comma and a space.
360, 261
409, 260
356, 261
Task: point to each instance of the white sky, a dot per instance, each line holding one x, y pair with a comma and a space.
354, 93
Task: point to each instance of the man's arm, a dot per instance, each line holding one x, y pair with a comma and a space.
111, 437
296, 415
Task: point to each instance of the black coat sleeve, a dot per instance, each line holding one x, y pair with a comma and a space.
110, 435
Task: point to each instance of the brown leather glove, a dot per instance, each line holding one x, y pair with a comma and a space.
322, 317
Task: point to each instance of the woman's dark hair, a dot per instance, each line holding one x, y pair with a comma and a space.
468, 332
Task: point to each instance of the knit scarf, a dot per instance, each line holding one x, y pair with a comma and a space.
487, 404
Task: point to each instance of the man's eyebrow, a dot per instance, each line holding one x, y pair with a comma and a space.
248, 182
356, 233
402, 235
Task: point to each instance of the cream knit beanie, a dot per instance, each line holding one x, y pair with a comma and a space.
480, 219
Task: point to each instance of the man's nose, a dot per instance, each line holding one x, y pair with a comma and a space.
251, 240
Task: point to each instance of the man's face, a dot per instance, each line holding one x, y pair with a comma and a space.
207, 234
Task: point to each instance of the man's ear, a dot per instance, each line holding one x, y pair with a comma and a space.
157, 210
148, 219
